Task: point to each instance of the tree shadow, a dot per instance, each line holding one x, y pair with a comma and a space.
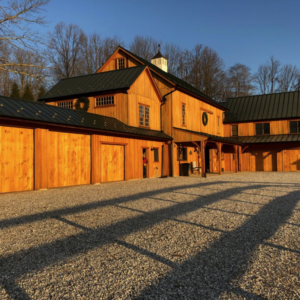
212, 274
226, 259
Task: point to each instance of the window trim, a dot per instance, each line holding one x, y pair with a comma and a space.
183, 105
65, 101
155, 148
298, 126
106, 105
144, 125
237, 129
256, 123
117, 63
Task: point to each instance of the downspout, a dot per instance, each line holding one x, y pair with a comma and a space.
164, 100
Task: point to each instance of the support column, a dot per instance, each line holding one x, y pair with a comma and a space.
236, 158
203, 173
220, 157
95, 159
240, 158
40, 159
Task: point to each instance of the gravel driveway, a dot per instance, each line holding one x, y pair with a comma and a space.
234, 236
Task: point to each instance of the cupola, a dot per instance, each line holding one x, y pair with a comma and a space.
159, 61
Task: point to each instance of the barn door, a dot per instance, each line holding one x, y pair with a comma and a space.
112, 163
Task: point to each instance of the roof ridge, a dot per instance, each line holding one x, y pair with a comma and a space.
256, 95
118, 70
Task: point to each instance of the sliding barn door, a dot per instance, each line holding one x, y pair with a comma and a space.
16, 159
69, 159
112, 163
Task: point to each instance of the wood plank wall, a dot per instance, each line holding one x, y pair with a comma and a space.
144, 92
41, 159
248, 128
194, 110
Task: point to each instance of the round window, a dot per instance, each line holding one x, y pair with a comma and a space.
204, 118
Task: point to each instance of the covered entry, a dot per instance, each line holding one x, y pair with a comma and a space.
112, 162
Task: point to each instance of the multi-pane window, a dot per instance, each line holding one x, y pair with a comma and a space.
182, 154
66, 104
234, 130
156, 157
121, 63
262, 128
294, 126
183, 114
108, 100
218, 123
144, 115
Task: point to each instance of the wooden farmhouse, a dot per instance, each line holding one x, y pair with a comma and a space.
132, 119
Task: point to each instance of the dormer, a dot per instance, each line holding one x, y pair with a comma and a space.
159, 61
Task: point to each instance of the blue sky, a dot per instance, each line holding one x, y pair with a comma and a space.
241, 31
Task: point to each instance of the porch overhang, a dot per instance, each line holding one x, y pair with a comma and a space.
189, 136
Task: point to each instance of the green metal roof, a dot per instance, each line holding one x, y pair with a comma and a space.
263, 107
180, 83
278, 138
35, 111
93, 83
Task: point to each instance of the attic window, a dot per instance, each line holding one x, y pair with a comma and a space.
103, 101
121, 63
65, 104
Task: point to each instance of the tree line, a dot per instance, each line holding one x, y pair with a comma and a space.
31, 63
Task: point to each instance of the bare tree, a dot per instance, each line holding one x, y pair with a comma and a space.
240, 80
65, 50
16, 22
262, 78
288, 78
274, 66
145, 47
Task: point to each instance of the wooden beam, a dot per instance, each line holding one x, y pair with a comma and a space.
40, 159
95, 158
220, 157
236, 158
240, 158
203, 173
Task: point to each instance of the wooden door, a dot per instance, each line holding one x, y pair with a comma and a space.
69, 159
112, 163
16, 159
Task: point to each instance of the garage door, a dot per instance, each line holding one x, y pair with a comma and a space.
16, 159
69, 159
112, 163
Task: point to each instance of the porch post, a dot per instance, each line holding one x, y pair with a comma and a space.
203, 173
220, 157
240, 158
236, 158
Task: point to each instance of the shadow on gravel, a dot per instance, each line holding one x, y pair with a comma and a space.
226, 259
214, 268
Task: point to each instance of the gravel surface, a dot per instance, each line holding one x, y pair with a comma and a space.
234, 236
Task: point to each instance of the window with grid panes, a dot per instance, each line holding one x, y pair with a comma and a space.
107, 100
156, 157
144, 115
294, 126
218, 120
262, 128
67, 104
183, 114
234, 130
121, 63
